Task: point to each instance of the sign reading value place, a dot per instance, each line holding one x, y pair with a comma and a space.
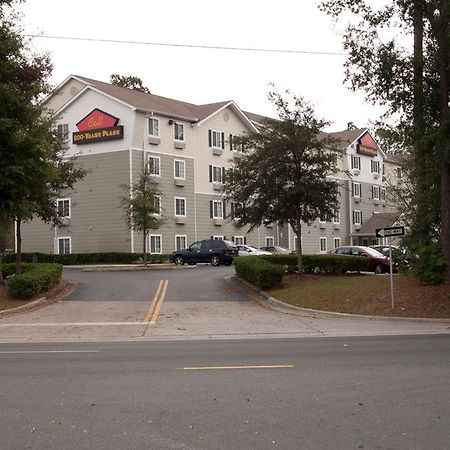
97, 126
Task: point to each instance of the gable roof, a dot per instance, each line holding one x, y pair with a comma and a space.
381, 220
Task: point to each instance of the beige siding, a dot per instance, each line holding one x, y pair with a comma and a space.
65, 94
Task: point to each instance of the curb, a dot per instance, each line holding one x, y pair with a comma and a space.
110, 268
317, 313
54, 295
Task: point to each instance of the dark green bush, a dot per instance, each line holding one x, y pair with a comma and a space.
88, 258
35, 279
10, 268
429, 264
258, 271
321, 263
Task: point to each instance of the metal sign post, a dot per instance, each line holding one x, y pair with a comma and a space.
389, 232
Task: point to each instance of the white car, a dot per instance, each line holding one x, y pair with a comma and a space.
248, 250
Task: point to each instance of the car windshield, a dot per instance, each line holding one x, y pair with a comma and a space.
229, 243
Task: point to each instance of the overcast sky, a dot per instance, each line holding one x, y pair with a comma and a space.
204, 75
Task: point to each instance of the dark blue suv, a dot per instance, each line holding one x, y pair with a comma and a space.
214, 251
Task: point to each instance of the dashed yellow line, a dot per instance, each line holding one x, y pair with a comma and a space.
155, 305
278, 366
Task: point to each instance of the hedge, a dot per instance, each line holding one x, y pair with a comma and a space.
258, 271
321, 263
88, 258
34, 279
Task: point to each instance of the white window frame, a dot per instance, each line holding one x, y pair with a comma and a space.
215, 209
216, 139
357, 213
157, 202
336, 216
217, 170
63, 238
178, 131
217, 238
62, 131
356, 162
177, 238
337, 242
322, 248
236, 145
63, 200
177, 201
376, 192
153, 130
239, 240
155, 240
354, 185
375, 166
181, 163
155, 173
270, 241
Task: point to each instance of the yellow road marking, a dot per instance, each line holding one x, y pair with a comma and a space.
153, 303
280, 366
159, 302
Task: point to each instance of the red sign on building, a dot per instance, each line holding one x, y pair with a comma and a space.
97, 126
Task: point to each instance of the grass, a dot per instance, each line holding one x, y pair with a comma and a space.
365, 294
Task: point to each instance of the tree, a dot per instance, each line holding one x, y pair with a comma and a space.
411, 81
129, 82
33, 168
284, 175
142, 208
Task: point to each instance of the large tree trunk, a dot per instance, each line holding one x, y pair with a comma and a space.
444, 166
418, 119
298, 232
19, 248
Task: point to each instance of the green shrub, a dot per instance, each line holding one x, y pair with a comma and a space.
429, 264
10, 268
35, 279
88, 258
321, 263
258, 271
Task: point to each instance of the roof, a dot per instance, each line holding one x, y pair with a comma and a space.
380, 220
347, 137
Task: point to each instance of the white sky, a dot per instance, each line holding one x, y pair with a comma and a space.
198, 75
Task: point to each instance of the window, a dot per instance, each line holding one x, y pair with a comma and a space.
383, 194
63, 207
323, 244
180, 206
357, 217
270, 241
154, 165
63, 132
336, 216
216, 209
376, 192
216, 139
356, 189
337, 242
235, 144
64, 245
322, 220
236, 209
153, 127
217, 238
179, 169
155, 243
180, 242
178, 131
157, 204
216, 174
356, 162
239, 240
375, 166
399, 172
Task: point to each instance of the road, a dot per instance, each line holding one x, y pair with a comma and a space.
340, 393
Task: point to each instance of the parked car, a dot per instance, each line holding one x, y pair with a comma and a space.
248, 250
378, 263
276, 249
214, 251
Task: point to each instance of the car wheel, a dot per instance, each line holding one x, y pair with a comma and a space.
379, 269
228, 263
215, 260
178, 260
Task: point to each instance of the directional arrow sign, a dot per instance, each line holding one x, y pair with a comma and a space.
389, 232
